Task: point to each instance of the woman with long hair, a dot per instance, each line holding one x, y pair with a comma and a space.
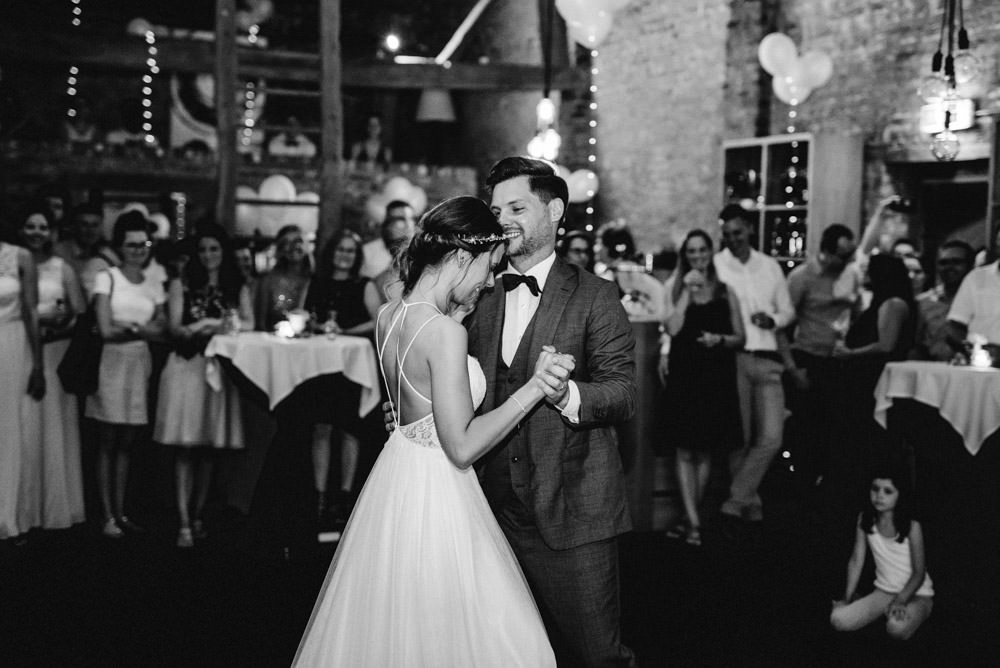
703, 320
284, 288
52, 492
129, 305
423, 575
191, 416
346, 303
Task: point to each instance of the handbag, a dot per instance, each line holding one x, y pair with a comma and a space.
80, 366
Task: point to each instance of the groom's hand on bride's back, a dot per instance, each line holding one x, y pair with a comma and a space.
388, 417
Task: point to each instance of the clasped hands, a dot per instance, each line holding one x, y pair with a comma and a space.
552, 372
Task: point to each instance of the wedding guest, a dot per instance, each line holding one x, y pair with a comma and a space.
975, 307
915, 270
347, 303
52, 492
191, 416
955, 260
765, 308
703, 409
292, 142
372, 150
129, 307
22, 369
904, 248
396, 230
577, 247
86, 250
284, 288
826, 294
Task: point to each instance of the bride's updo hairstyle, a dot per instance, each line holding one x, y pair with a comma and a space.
459, 223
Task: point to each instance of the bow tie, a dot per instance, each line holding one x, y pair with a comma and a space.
511, 281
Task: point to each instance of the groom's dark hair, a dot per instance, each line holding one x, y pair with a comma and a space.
542, 178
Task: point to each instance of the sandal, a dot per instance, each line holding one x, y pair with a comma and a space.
693, 537
184, 538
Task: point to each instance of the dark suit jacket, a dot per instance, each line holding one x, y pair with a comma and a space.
572, 479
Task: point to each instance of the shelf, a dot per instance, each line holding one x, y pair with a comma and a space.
782, 207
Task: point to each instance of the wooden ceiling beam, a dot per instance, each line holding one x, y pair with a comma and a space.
195, 56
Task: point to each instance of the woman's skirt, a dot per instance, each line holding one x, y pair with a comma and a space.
122, 385
190, 413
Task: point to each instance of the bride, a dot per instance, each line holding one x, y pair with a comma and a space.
423, 575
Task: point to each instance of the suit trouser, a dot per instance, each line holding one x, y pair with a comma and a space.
576, 591
762, 408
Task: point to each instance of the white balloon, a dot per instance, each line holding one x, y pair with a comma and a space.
375, 208
592, 31
816, 68
583, 185
246, 192
136, 206
418, 199
564, 172
278, 187
138, 26
244, 20
398, 187
162, 225
777, 54
307, 197
574, 10
789, 91
306, 217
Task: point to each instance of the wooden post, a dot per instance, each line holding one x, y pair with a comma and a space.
225, 109
331, 109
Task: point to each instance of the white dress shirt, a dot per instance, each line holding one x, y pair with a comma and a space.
977, 302
519, 308
760, 286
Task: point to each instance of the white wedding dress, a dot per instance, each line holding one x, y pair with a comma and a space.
423, 575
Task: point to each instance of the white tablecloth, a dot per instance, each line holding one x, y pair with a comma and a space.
278, 365
966, 397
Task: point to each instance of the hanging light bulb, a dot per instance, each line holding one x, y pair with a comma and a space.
545, 112
967, 67
945, 146
933, 87
536, 147
551, 141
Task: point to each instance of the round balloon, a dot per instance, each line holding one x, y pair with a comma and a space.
244, 20
138, 26
398, 187
307, 197
418, 200
777, 54
375, 207
162, 224
816, 68
278, 187
592, 31
136, 206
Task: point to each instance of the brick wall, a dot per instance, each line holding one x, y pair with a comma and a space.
661, 83
678, 78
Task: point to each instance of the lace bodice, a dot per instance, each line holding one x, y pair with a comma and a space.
10, 284
424, 432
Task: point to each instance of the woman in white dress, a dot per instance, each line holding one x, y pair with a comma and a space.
423, 575
52, 480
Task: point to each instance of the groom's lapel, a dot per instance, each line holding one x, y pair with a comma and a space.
489, 322
558, 287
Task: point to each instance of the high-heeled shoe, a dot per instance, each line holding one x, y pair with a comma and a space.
693, 537
128, 525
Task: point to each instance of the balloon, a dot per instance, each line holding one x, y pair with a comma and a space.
278, 187
777, 54
244, 20
590, 32
817, 68
418, 200
583, 185
204, 85
789, 91
247, 215
398, 187
136, 206
261, 10
576, 10
563, 172
375, 207
162, 225
138, 26
246, 192
307, 197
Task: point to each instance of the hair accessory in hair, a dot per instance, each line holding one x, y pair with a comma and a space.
483, 239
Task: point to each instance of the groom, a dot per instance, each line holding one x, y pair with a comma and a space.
556, 483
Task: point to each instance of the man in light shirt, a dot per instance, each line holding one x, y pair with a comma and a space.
397, 228
765, 307
976, 307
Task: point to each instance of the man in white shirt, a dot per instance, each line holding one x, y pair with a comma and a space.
765, 307
397, 228
976, 307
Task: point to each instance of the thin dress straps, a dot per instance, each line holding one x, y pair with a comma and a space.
400, 375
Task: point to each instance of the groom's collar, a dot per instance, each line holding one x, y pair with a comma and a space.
540, 271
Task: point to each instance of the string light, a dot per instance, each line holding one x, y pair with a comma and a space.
592, 139
252, 33
180, 214
71, 78
249, 113
147, 88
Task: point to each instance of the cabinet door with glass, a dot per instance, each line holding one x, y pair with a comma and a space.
794, 185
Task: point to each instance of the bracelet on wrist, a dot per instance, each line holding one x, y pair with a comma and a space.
519, 404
